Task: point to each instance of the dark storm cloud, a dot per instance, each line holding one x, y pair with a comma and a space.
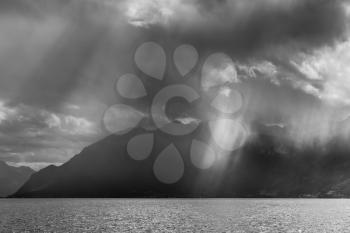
13, 6
56, 49
60, 73
61, 52
79, 31
55, 58
244, 27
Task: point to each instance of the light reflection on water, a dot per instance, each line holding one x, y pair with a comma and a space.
174, 215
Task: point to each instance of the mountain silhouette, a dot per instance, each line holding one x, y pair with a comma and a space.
12, 178
266, 166
104, 169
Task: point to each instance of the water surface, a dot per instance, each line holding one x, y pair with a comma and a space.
174, 215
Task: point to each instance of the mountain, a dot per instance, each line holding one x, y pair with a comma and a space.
104, 169
12, 178
265, 167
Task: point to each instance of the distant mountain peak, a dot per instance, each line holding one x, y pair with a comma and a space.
12, 178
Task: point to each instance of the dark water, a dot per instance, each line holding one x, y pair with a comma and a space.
174, 215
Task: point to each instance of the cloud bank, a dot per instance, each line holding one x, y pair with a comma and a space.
59, 61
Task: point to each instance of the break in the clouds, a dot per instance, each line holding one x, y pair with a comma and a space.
59, 61
35, 137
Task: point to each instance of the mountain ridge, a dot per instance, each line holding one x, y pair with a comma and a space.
263, 167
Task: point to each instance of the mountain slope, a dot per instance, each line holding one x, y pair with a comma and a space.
12, 178
104, 169
264, 167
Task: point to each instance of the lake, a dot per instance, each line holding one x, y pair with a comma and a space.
174, 215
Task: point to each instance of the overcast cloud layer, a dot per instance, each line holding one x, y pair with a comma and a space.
59, 60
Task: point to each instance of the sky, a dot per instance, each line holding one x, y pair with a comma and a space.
59, 61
